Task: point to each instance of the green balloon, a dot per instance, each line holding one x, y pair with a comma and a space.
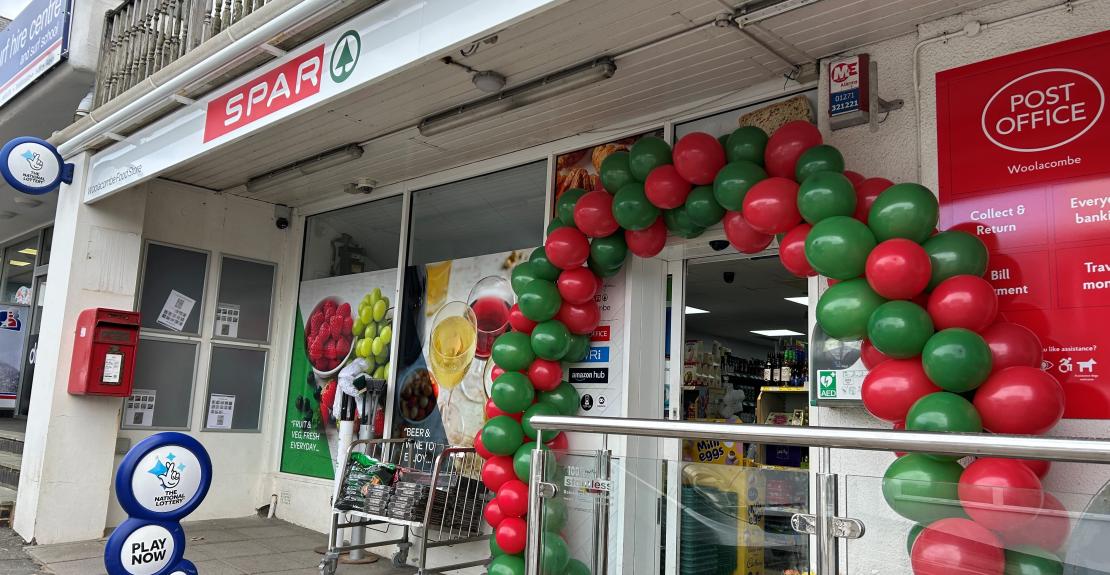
542, 267
957, 359
838, 247
506, 565
522, 460
495, 549
554, 555
955, 253
576, 567
579, 348
1030, 560
550, 340
911, 537
746, 143
502, 435
647, 154
923, 489
522, 275
826, 194
944, 412
609, 252
565, 399
906, 211
555, 224
554, 514
821, 158
900, 329
615, 172
512, 392
526, 421
733, 182
678, 221
539, 300
631, 208
512, 351
702, 207
845, 308
600, 270
564, 206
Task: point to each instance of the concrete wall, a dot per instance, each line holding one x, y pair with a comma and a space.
891, 152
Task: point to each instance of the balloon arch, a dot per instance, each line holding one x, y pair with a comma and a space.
938, 357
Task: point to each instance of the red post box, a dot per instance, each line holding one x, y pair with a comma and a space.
104, 352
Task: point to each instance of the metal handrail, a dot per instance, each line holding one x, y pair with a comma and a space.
1073, 449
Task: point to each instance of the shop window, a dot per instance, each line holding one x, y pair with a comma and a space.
768, 115
358, 239
243, 300
19, 270
235, 384
172, 296
488, 214
163, 391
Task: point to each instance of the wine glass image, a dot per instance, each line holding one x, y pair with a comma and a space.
452, 343
490, 299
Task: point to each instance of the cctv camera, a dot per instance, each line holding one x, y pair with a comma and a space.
718, 245
361, 186
730, 277
281, 223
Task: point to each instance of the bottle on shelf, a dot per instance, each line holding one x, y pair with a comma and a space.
767, 367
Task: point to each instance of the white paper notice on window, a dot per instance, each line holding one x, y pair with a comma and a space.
220, 410
139, 409
176, 311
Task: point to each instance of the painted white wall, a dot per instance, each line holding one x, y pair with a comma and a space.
891, 152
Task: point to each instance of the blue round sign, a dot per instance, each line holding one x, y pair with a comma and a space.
164, 477
140, 547
33, 166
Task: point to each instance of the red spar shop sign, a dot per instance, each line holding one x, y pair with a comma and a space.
1023, 146
259, 97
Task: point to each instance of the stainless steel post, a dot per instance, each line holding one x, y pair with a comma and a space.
535, 514
824, 512
603, 472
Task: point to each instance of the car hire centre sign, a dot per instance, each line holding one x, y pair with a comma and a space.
1022, 152
32, 44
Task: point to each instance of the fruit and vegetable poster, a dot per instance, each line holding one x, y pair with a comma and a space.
1022, 156
344, 327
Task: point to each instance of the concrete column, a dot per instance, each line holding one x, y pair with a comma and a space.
67, 458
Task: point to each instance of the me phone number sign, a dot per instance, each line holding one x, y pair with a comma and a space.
1024, 165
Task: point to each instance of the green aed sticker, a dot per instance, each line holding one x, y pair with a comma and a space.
345, 55
826, 384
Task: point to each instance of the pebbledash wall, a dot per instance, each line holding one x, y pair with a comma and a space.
892, 152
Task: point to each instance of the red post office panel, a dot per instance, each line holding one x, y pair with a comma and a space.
104, 352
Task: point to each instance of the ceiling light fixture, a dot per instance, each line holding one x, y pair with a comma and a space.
804, 300
758, 11
29, 252
18, 263
489, 81
27, 201
776, 332
308, 166
690, 310
519, 96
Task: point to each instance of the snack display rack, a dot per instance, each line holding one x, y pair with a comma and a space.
435, 496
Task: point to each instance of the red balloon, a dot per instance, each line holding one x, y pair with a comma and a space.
1049, 530
593, 214
1012, 344
792, 251
580, 319
647, 243
742, 236
898, 269
479, 447
497, 471
698, 157
545, 374
665, 189
899, 426
578, 285
871, 356
493, 514
771, 206
787, 144
558, 443
511, 535
1020, 400
519, 322
1039, 467
1000, 493
956, 546
866, 192
493, 411
513, 497
855, 177
495, 372
892, 387
963, 301
567, 248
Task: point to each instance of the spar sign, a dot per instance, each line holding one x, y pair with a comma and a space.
1022, 152
161, 480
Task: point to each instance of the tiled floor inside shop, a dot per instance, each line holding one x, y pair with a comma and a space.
250, 545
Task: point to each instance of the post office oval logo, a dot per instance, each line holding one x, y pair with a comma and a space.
1043, 110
